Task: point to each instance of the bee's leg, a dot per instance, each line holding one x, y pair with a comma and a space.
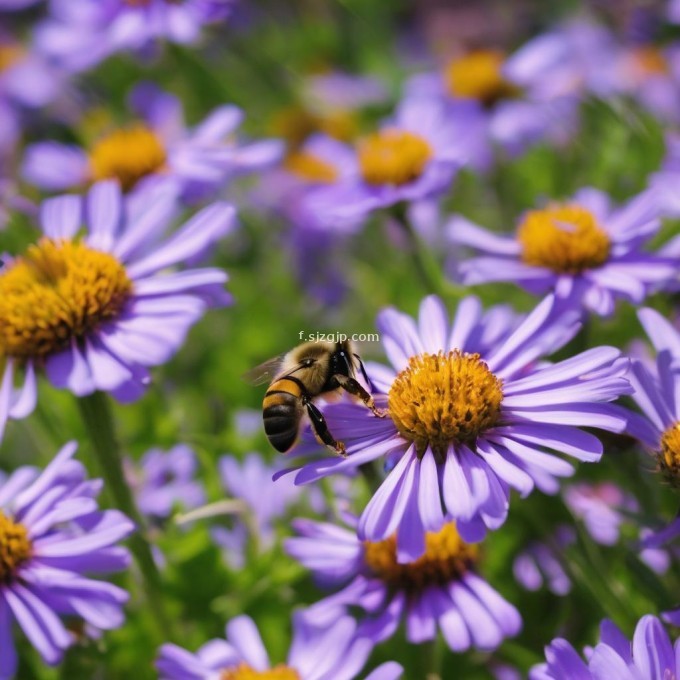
363, 372
354, 387
321, 431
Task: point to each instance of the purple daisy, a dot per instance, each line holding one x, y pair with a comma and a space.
246, 480
440, 590
158, 146
415, 155
509, 101
330, 653
650, 656
163, 480
81, 33
539, 563
656, 389
52, 534
585, 250
473, 413
93, 312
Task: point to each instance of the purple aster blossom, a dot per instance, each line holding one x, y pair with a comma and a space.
587, 251
665, 546
81, 33
599, 507
540, 563
163, 480
331, 653
439, 591
52, 534
454, 457
122, 306
248, 480
415, 155
650, 656
656, 389
511, 102
160, 146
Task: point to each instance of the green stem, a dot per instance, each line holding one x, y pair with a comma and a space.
430, 664
95, 411
426, 265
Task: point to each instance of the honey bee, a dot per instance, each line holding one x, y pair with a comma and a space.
310, 370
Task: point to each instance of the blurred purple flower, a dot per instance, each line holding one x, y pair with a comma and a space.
650, 656
160, 147
473, 413
440, 590
415, 155
339, 91
51, 534
656, 389
585, 250
95, 312
539, 563
79, 34
163, 480
249, 480
333, 653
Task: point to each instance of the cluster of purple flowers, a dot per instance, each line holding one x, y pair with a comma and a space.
479, 405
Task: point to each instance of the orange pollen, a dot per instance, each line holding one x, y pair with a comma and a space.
440, 399
245, 672
393, 157
57, 291
310, 167
447, 557
15, 548
564, 238
651, 61
478, 75
9, 55
127, 155
669, 458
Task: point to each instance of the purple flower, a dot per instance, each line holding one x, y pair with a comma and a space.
650, 656
656, 390
246, 480
439, 590
81, 33
413, 156
540, 563
511, 102
159, 146
584, 250
331, 653
162, 480
473, 413
93, 312
52, 534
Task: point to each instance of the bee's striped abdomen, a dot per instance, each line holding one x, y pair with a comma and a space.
281, 412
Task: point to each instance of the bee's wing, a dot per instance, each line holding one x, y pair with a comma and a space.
265, 372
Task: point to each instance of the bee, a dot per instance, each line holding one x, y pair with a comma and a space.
310, 370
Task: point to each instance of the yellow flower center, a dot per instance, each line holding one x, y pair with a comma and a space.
310, 167
9, 55
15, 547
127, 155
478, 75
245, 672
651, 61
564, 238
393, 157
447, 557
669, 458
57, 291
439, 399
